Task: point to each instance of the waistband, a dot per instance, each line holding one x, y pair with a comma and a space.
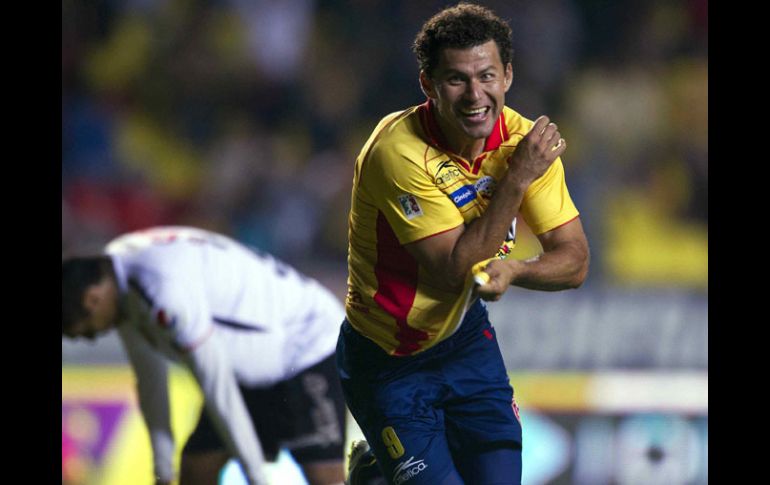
475, 319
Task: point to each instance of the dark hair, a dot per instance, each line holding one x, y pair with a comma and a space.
462, 26
77, 274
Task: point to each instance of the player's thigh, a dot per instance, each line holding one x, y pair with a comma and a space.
202, 468
481, 410
499, 465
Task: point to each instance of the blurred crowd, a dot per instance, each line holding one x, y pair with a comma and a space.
246, 116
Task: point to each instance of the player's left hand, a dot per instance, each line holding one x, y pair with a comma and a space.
501, 274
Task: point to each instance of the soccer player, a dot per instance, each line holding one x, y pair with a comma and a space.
436, 192
258, 336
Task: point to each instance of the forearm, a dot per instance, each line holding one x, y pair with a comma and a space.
226, 408
481, 239
151, 372
561, 268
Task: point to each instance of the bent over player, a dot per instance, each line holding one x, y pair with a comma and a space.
257, 335
436, 192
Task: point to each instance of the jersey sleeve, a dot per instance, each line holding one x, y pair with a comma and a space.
400, 187
547, 203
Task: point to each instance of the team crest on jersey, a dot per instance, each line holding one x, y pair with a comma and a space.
410, 206
485, 187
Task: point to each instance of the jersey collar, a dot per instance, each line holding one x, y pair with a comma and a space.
436, 137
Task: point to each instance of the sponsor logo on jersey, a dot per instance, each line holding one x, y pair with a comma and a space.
356, 301
446, 173
485, 187
410, 206
408, 469
463, 195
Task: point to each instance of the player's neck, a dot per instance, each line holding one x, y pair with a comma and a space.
458, 142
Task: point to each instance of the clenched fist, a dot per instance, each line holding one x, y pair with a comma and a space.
536, 151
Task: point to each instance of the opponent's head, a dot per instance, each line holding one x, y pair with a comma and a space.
464, 53
89, 296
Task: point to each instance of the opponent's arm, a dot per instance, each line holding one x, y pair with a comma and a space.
151, 370
562, 265
451, 254
224, 404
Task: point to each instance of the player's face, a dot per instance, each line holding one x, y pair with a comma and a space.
468, 87
101, 304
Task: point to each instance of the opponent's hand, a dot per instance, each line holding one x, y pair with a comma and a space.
537, 151
500, 274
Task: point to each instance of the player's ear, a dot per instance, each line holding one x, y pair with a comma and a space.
508, 76
91, 298
427, 85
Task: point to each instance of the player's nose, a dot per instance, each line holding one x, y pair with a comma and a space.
473, 90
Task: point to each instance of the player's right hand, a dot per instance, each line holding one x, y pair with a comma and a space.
537, 151
499, 274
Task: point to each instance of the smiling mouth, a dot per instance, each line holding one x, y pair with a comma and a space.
475, 114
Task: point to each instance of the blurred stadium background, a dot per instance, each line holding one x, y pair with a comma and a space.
245, 116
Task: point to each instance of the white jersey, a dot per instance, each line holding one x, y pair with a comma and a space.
232, 314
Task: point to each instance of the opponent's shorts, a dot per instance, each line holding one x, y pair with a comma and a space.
423, 415
305, 414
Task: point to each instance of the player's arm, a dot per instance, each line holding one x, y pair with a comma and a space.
562, 265
451, 254
151, 370
225, 406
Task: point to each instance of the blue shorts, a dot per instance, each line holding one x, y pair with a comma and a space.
425, 415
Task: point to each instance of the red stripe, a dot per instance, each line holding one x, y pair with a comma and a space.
436, 234
560, 225
433, 131
497, 137
504, 127
477, 163
396, 272
430, 126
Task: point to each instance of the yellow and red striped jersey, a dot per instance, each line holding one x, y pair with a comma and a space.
408, 186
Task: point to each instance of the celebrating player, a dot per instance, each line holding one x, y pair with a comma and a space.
437, 189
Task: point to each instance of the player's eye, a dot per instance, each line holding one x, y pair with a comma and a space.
455, 80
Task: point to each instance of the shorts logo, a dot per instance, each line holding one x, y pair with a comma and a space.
463, 195
515, 409
485, 187
407, 470
410, 206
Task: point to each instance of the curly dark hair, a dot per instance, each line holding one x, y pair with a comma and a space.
459, 27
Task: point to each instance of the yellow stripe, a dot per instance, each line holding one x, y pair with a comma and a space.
551, 391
